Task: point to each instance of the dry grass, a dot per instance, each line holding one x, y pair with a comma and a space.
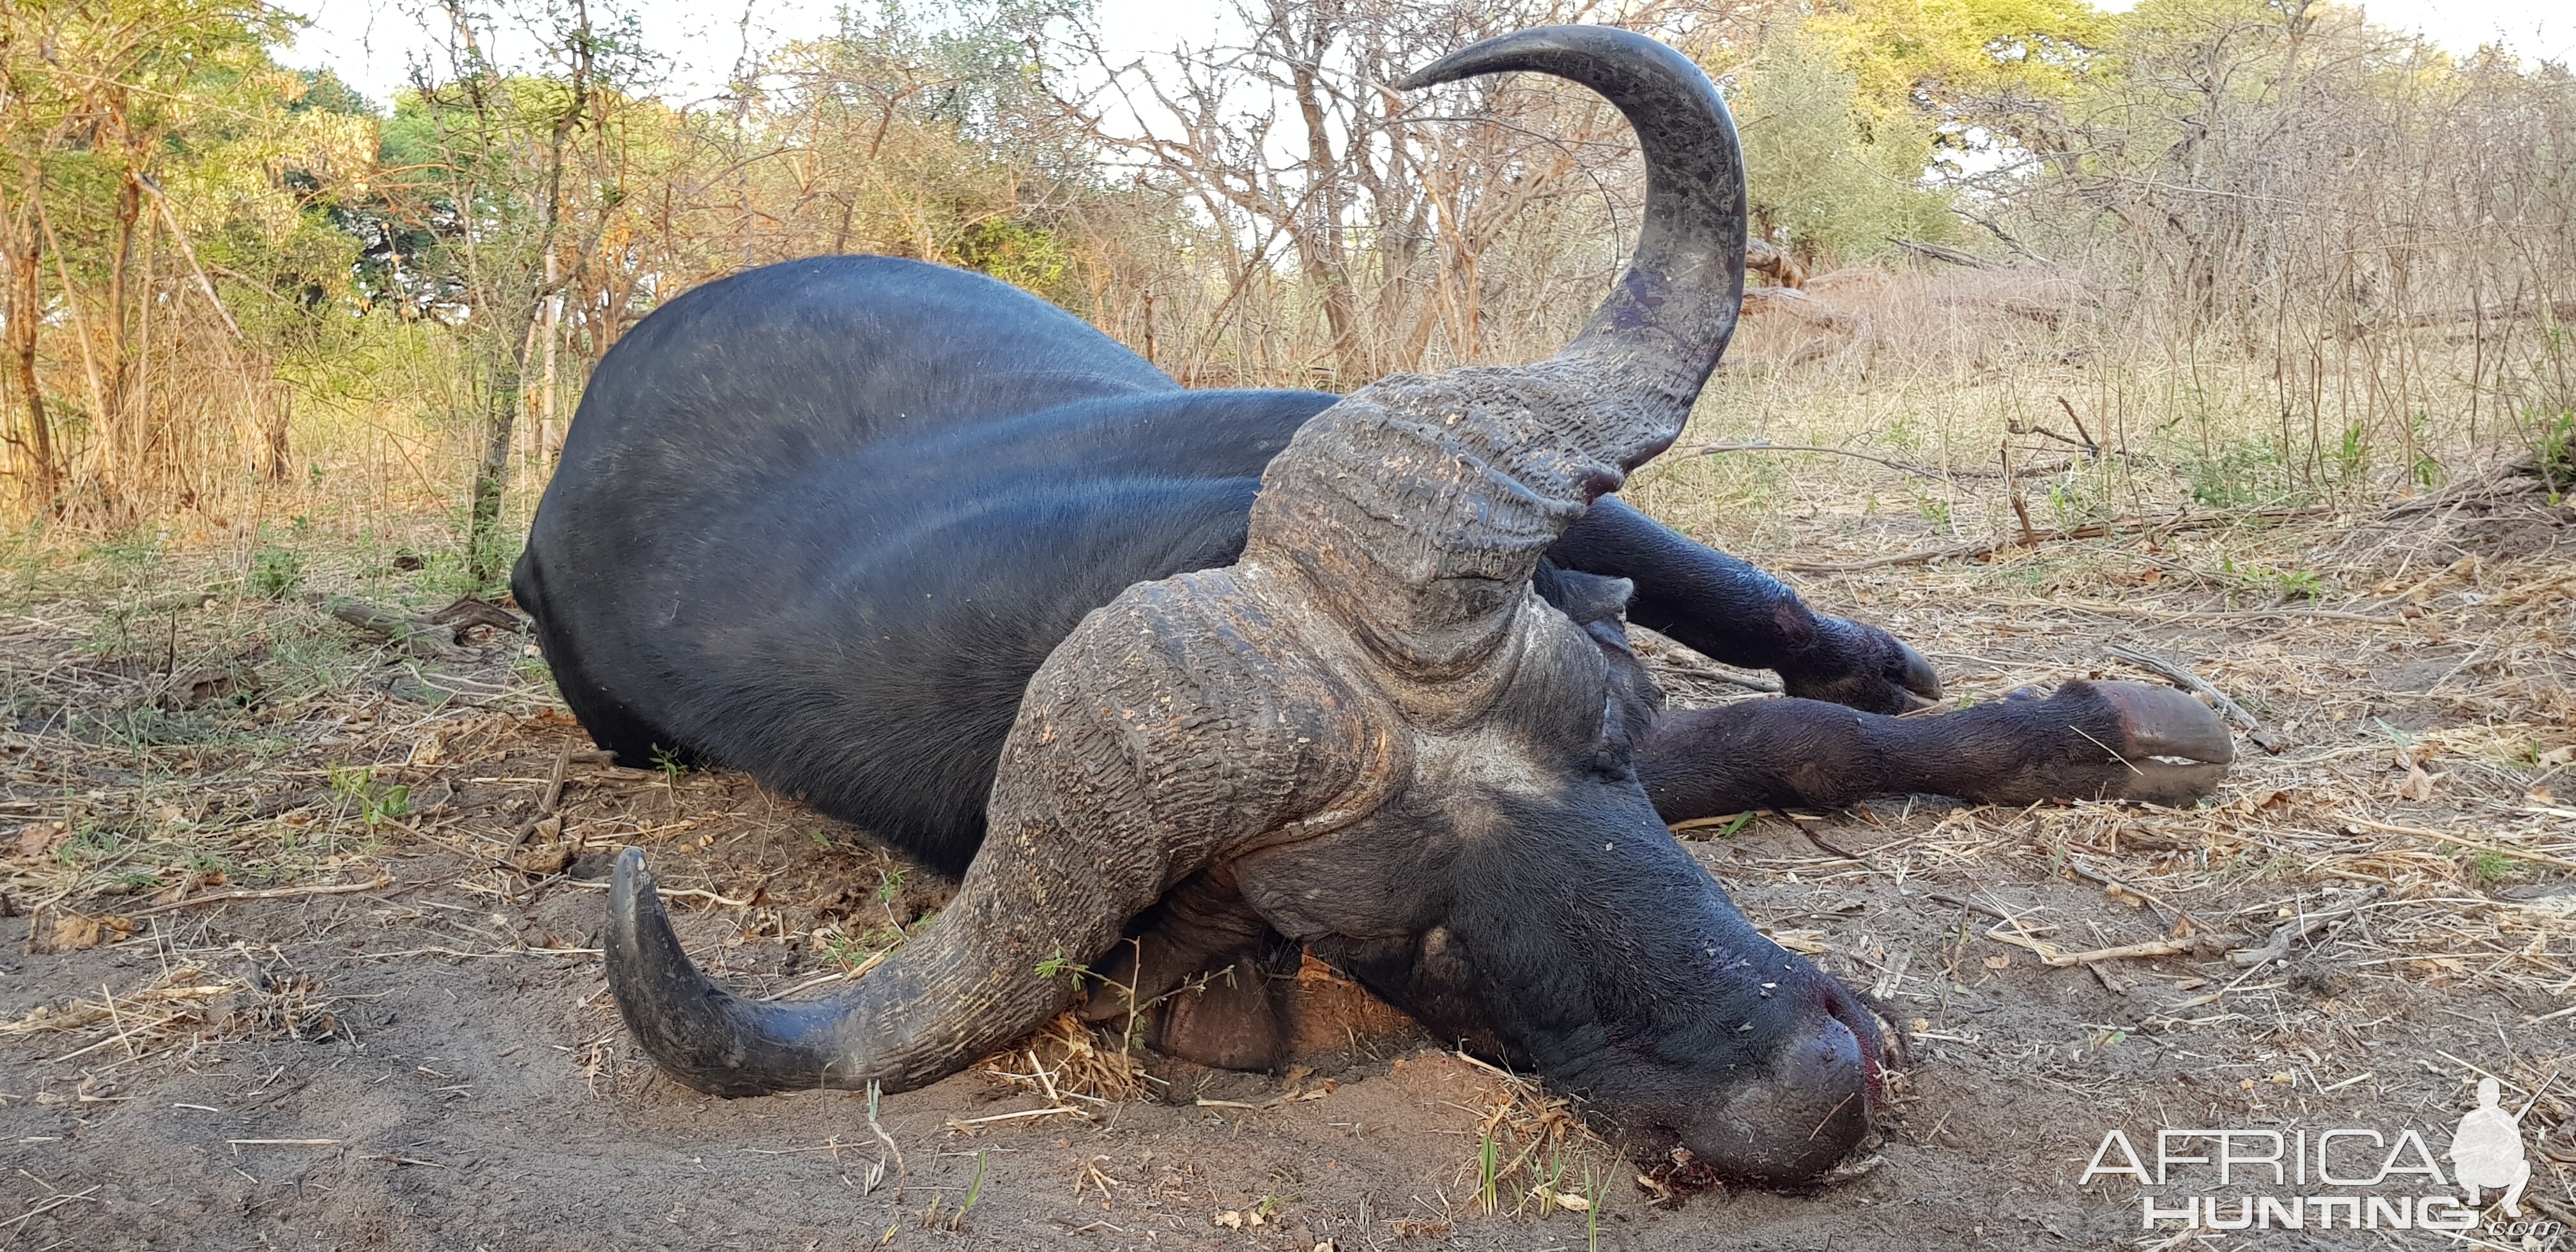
1070, 1063
1535, 1153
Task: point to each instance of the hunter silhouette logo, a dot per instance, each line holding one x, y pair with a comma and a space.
2486, 1151
2335, 1177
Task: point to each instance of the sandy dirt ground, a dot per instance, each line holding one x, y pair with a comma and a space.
297, 949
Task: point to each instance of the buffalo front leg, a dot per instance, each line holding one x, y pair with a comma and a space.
2089, 741
1202, 978
1207, 980
1730, 610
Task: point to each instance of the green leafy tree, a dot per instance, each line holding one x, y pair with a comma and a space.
155, 193
1828, 179
1943, 57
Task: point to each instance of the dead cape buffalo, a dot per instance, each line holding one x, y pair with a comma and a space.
1236, 669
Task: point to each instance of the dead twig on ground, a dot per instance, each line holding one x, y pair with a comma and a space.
547, 802
1817, 838
2056, 957
53, 1202
1920, 556
379, 882
2098, 530
426, 639
2277, 948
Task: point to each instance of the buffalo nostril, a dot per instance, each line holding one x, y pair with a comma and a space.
1809, 1112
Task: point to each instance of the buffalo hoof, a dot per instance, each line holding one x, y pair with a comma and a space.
1870, 670
2177, 750
2101, 741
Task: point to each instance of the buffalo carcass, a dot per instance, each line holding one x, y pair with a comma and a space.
1227, 669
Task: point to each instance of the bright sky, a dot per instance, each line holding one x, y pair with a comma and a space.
371, 44
2542, 30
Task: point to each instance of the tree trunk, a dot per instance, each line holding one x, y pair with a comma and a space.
278, 420
23, 304
547, 441
117, 437
492, 474
1321, 247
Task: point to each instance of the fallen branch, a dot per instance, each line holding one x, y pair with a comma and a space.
2056, 957
2189, 681
2099, 530
2277, 948
2091, 447
1920, 556
377, 883
468, 611
546, 803
1902, 467
2152, 947
423, 638
1059, 1110
1711, 673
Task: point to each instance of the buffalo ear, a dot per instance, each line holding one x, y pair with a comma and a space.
1586, 598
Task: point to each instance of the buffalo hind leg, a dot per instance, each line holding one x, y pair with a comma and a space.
1730, 610
2093, 741
611, 725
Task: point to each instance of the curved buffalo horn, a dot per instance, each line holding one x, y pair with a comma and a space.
1417, 508
1175, 722
1680, 295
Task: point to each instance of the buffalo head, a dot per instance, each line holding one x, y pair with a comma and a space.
1384, 742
